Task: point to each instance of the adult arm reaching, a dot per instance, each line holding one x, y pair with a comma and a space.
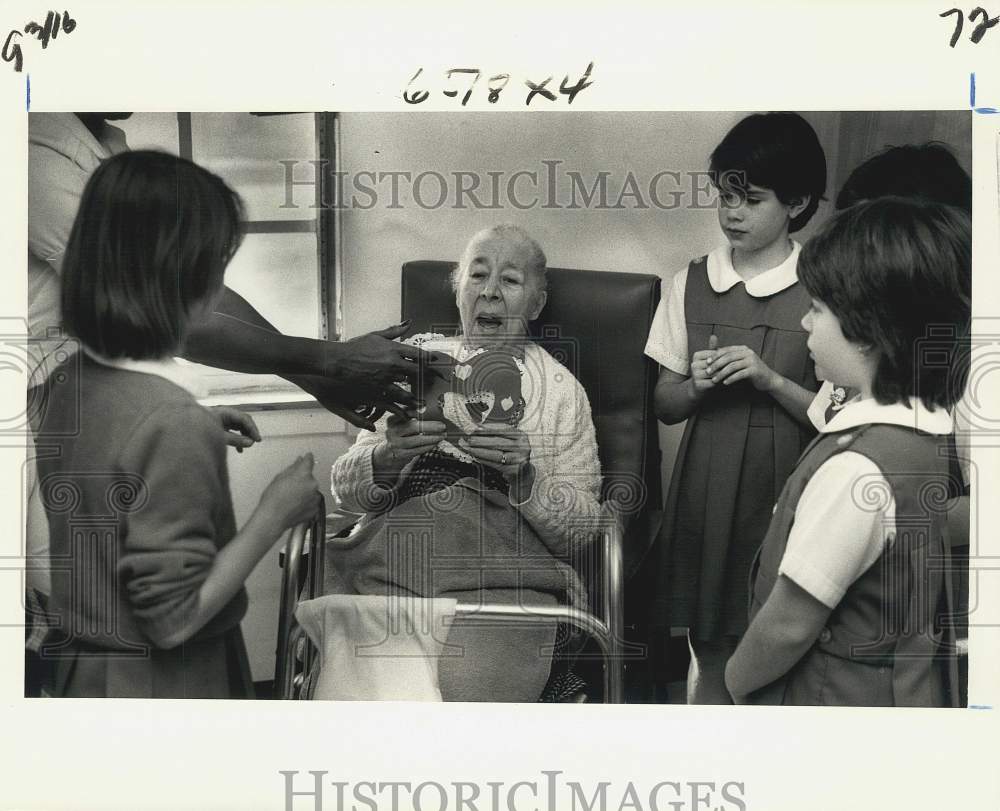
355, 379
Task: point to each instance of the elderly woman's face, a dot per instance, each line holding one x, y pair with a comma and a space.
498, 291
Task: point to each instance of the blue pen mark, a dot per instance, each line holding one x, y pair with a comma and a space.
972, 99
980, 707
27, 102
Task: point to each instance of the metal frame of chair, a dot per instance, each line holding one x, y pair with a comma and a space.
289, 681
297, 656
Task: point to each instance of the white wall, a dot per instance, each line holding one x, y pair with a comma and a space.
376, 242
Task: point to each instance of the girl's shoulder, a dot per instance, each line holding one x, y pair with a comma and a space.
130, 391
150, 422
700, 263
697, 267
179, 433
893, 446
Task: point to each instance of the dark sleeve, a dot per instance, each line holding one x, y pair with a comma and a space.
172, 535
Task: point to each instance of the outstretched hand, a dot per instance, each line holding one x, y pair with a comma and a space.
361, 406
361, 376
376, 359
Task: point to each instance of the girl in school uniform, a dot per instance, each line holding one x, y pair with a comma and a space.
928, 171
147, 564
734, 364
850, 593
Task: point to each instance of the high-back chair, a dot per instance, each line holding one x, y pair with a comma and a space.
595, 324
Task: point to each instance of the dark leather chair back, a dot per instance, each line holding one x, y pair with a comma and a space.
595, 323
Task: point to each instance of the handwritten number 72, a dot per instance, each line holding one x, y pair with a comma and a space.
985, 23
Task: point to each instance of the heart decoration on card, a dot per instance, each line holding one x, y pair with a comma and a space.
479, 393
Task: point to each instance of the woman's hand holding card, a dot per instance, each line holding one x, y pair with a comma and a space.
406, 439
502, 448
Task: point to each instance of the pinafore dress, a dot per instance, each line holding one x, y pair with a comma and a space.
737, 451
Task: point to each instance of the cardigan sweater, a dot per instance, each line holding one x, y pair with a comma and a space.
134, 482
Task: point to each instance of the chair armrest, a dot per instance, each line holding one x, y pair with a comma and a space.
291, 564
613, 573
300, 570
592, 625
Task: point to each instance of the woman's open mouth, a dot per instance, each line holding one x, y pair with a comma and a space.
489, 322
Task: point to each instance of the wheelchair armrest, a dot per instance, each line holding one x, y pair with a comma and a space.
613, 574
300, 570
336, 524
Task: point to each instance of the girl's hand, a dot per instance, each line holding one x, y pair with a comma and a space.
502, 448
291, 497
735, 363
701, 362
241, 430
406, 439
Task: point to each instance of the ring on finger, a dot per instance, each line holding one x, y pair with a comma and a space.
503, 458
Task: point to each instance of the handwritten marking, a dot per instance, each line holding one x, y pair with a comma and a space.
419, 96
538, 90
985, 24
475, 72
413, 94
583, 84
980, 707
972, 99
13, 54
494, 96
43, 32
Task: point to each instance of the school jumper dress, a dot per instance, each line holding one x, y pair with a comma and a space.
737, 450
889, 642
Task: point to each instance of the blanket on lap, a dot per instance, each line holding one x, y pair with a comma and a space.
469, 543
459, 539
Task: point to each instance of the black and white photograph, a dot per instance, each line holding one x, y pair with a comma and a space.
472, 499
388, 412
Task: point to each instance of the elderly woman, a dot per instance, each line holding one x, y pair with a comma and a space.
508, 503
